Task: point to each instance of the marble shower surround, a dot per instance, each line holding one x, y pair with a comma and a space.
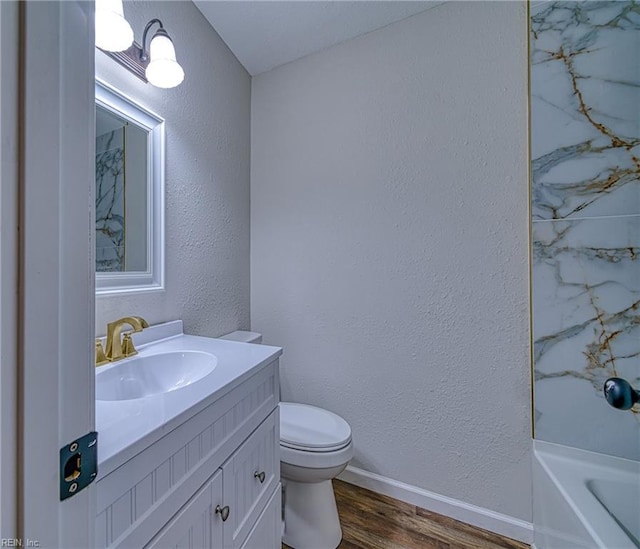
585, 145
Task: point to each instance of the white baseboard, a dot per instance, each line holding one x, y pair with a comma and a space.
459, 510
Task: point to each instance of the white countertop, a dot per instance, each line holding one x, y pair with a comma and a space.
126, 427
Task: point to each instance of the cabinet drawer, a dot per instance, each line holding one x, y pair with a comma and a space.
267, 533
250, 477
196, 525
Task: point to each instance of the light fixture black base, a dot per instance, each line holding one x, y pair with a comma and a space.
131, 59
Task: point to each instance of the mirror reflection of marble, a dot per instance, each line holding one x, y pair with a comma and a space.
129, 195
121, 194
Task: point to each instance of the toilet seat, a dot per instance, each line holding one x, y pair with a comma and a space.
316, 460
312, 450
307, 428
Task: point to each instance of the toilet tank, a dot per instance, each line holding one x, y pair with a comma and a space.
243, 336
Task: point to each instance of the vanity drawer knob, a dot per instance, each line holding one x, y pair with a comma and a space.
223, 511
259, 476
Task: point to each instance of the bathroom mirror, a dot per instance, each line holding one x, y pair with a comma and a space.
129, 209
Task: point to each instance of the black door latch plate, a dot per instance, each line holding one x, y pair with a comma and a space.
78, 465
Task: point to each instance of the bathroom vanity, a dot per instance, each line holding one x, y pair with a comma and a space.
196, 465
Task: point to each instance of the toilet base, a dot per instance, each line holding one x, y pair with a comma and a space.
310, 515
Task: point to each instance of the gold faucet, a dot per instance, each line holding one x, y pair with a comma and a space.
118, 349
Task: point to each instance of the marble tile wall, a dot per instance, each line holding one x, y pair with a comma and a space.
585, 150
110, 181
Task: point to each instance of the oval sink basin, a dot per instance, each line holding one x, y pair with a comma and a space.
153, 374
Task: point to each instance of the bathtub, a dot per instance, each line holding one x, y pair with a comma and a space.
584, 500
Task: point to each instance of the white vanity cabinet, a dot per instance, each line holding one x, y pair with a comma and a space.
196, 525
224, 455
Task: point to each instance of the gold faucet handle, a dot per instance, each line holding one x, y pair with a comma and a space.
101, 358
128, 349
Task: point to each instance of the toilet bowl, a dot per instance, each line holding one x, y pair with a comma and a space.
315, 447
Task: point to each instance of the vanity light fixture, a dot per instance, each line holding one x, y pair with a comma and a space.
156, 64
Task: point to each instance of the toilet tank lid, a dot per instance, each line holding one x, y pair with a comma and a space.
243, 336
305, 426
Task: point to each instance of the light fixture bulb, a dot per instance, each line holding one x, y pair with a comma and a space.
113, 32
163, 70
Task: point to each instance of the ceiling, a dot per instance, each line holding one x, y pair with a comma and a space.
264, 34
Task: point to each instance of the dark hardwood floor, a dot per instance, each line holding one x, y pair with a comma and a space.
373, 521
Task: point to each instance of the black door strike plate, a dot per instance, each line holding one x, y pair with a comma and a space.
78, 465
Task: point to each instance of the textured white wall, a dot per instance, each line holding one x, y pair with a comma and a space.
207, 177
389, 250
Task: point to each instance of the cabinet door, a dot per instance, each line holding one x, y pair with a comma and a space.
250, 476
196, 526
267, 532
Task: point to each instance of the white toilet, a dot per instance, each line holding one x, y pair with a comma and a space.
315, 447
